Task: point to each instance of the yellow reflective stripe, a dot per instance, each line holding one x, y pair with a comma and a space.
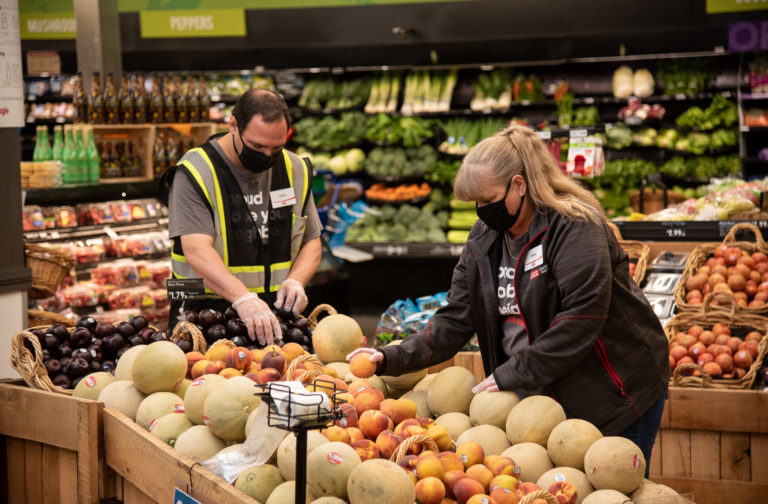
178, 257
219, 202
258, 290
280, 265
306, 182
182, 277
198, 178
246, 269
288, 167
274, 288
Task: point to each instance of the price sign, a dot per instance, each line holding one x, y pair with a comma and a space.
681, 96
456, 250
676, 232
578, 133
61, 120
589, 100
181, 497
544, 135
187, 288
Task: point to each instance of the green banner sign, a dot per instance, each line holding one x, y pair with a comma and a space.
147, 5
192, 23
720, 6
51, 25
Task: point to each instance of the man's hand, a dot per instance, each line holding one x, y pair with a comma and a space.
291, 296
258, 318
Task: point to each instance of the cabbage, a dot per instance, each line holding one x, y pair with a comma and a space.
623, 82
643, 83
338, 165
354, 158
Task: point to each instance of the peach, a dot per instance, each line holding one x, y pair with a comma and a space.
720, 250
355, 434
217, 352
192, 358
719, 328
742, 359
504, 481
750, 288
678, 353
704, 358
671, 363
336, 433
372, 422
755, 303
291, 350
430, 490
450, 461
253, 376
213, 367
350, 416
688, 341
707, 338
268, 375
759, 257
440, 436
404, 424
387, 442
470, 453
722, 339
524, 488
739, 373
731, 255
341, 385
500, 465
386, 407
412, 430
481, 474
198, 369
366, 401
696, 350
402, 409
425, 422
274, 360
429, 465
450, 478
755, 276
230, 372
503, 496
750, 346
481, 499
409, 462
253, 367
466, 488
257, 354
693, 295
695, 331
564, 492
753, 336
357, 387
725, 362
733, 343
366, 449
238, 358
362, 366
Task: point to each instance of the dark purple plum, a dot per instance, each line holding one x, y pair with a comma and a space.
63, 381
87, 322
53, 367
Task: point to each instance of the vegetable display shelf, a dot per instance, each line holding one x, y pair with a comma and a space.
410, 250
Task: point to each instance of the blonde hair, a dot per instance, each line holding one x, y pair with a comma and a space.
517, 150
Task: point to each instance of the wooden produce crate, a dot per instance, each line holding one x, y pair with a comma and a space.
714, 444
469, 360
148, 470
50, 448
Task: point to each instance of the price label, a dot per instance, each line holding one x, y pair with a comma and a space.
525, 102
31, 97
589, 100
181, 497
676, 232
544, 135
110, 232
215, 98
55, 235
456, 250
30, 119
60, 120
578, 133
680, 96
633, 121
187, 288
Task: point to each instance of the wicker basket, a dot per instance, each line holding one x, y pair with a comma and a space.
312, 318
638, 252
30, 366
189, 331
49, 268
699, 256
708, 315
538, 494
307, 375
46, 318
426, 442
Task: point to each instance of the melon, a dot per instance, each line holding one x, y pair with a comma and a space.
286, 452
605, 497
569, 441
232, 447
199, 443
569, 474
532, 459
258, 482
159, 367
124, 368
341, 369
380, 481
336, 336
454, 423
285, 493
425, 382
196, 394
377, 383
169, 427
226, 410
123, 396
615, 463
181, 389
91, 386
650, 490
422, 406
451, 391
492, 408
403, 382
532, 420
328, 468
491, 438
329, 500
157, 405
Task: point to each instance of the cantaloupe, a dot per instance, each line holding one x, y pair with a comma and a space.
232, 447
422, 405
199, 443
569, 441
198, 391
157, 405
532, 420
492, 408
258, 482
181, 389
340, 368
228, 406
455, 423
491, 438
451, 391
335, 336
159, 367
532, 459
329, 500
377, 383
650, 490
285, 493
398, 385
123, 396
91, 386
286, 452
328, 468
425, 382
569, 474
615, 463
605, 497
124, 368
380, 481
169, 427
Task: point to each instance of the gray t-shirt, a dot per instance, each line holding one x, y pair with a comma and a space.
189, 214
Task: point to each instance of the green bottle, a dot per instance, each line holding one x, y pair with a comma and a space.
92, 155
45, 149
58, 143
66, 156
38, 144
82, 157
73, 161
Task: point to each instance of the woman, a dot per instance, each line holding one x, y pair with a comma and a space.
545, 286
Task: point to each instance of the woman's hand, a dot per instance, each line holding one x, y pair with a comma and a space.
373, 355
488, 384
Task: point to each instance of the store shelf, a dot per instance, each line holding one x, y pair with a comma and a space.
115, 189
84, 269
48, 98
96, 230
49, 122
682, 230
754, 96
748, 129
410, 250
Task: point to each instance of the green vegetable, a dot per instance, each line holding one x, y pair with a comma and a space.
330, 133
402, 224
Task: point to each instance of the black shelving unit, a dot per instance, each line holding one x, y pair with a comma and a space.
105, 191
85, 232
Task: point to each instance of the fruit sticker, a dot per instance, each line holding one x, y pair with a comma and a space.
559, 477
206, 420
178, 408
90, 381
153, 424
334, 458
464, 458
517, 470
343, 422
635, 461
197, 382
484, 500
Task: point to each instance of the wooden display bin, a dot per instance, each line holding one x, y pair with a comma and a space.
149, 470
50, 448
468, 360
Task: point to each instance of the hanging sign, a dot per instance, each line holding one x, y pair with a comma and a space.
48, 25
748, 36
192, 23
720, 6
11, 80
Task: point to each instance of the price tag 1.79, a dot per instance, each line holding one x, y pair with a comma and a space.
186, 288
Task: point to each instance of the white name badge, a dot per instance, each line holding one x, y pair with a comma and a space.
535, 257
282, 197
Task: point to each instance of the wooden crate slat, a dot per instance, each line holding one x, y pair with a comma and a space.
439, 367
711, 409
33, 471
665, 421
758, 445
51, 485
705, 454
655, 467
735, 463
676, 453
68, 476
132, 495
16, 473
88, 452
708, 491
47, 409
119, 487
106, 479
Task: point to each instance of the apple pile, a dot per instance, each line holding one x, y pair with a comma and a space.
733, 270
715, 350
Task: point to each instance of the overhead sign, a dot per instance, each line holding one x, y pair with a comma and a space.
192, 23
143, 5
748, 36
48, 25
721, 6
11, 80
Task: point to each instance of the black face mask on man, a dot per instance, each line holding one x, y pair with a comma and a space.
495, 215
253, 160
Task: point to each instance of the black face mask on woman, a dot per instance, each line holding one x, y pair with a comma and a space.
495, 215
253, 160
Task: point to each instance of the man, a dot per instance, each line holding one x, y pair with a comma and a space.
242, 218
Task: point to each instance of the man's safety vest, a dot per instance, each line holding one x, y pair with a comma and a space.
237, 240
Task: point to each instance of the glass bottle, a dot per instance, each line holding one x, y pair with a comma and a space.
80, 101
169, 102
158, 156
42, 150
205, 101
111, 102
38, 144
93, 160
193, 101
95, 102
72, 159
125, 97
106, 153
58, 143
66, 154
156, 103
182, 101
139, 101
82, 157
